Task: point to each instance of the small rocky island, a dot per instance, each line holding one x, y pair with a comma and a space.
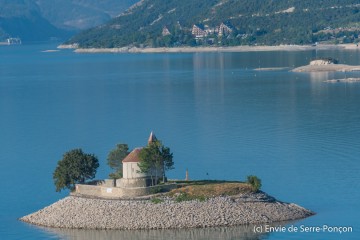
134, 202
326, 65
165, 212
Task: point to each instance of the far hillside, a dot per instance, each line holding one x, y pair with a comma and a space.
171, 23
44, 20
82, 14
23, 19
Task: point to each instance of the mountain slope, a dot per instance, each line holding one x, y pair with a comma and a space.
41, 20
251, 21
81, 14
22, 18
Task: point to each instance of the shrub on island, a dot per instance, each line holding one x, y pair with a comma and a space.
255, 182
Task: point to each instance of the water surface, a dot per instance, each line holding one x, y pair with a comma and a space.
220, 117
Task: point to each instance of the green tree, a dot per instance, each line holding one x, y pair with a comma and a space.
167, 160
254, 181
75, 167
155, 159
115, 157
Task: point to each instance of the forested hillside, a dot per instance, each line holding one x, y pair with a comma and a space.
159, 23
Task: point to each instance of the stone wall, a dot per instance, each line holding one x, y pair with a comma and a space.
110, 192
91, 190
142, 191
132, 183
103, 191
109, 183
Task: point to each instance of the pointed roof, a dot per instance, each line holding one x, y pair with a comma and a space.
152, 138
133, 156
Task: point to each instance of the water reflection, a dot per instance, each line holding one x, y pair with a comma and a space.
320, 76
223, 233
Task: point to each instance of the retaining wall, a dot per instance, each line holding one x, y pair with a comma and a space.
119, 192
133, 183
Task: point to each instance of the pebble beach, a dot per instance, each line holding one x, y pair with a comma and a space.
87, 213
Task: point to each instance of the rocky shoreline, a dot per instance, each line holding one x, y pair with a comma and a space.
327, 68
185, 49
86, 213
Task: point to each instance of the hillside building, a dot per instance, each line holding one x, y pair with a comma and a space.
198, 31
165, 31
224, 30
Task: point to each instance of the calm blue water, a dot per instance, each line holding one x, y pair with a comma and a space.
220, 117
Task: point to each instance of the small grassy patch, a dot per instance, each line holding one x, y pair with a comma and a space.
156, 200
156, 189
186, 197
203, 191
201, 182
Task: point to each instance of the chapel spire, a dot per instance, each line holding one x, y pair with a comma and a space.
152, 138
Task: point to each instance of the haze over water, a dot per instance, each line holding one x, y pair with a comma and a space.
220, 117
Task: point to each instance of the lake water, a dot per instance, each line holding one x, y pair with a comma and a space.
220, 117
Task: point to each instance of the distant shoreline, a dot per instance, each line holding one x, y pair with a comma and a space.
212, 49
327, 68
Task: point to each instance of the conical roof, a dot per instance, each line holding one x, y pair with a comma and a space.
152, 138
134, 155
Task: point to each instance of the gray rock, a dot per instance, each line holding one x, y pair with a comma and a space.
86, 213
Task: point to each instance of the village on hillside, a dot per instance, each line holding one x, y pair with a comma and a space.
203, 32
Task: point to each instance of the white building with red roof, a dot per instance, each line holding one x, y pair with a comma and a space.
130, 165
132, 175
133, 183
